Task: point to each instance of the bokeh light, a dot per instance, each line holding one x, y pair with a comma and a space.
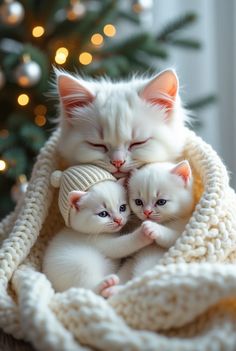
97, 39
85, 58
38, 31
23, 99
3, 165
109, 30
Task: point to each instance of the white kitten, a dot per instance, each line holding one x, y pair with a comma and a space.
86, 254
120, 126
160, 194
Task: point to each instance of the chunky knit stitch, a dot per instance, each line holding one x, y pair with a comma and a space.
188, 302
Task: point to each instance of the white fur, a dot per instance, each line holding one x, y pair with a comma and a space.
166, 223
88, 252
117, 118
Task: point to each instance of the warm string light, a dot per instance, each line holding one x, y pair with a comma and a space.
61, 55
38, 31
97, 39
40, 110
85, 58
109, 30
40, 119
3, 165
23, 99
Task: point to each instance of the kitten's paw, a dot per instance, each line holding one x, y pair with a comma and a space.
149, 229
107, 282
108, 292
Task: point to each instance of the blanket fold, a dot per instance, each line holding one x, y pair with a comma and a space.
187, 302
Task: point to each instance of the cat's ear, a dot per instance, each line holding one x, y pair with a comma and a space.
72, 93
162, 89
74, 198
183, 170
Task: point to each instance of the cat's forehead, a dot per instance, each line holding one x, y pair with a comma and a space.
150, 181
116, 99
118, 112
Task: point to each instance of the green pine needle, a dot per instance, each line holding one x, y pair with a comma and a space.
177, 24
201, 102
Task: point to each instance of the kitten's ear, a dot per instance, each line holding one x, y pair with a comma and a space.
183, 170
72, 93
74, 198
162, 89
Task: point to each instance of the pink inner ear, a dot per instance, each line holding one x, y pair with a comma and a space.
162, 90
72, 93
74, 198
183, 170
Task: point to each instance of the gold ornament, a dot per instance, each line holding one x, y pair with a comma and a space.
11, 12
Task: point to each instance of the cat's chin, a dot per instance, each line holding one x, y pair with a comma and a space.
120, 174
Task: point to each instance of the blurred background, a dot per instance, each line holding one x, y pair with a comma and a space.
115, 38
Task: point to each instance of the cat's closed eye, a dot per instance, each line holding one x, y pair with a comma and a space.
137, 143
99, 146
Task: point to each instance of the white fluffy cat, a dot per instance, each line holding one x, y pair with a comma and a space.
123, 125
160, 194
87, 254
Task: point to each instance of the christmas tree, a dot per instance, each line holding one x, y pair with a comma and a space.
81, 35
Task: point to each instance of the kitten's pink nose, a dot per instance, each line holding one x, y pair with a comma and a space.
117, 163
147, 212
118, 220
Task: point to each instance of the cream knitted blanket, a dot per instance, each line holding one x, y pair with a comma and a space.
186, 303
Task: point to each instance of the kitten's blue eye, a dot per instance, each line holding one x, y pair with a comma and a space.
138, 202
161, 202
123, 208
103, 214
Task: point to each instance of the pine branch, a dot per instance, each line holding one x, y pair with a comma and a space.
201, 102
175, 25
153, 48
129, 16
126, 46
184, 43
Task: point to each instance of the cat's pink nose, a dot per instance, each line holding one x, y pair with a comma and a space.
118, 220
117, 163
147, 212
